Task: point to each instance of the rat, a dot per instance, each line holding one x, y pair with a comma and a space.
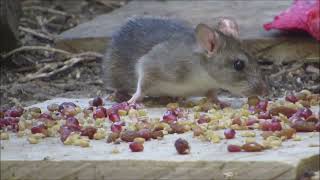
158, 56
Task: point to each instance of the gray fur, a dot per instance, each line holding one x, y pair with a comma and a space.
167, 56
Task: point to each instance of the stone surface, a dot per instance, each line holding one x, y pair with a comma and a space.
51, 160
272, 46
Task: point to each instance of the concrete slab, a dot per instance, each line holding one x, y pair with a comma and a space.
251, 15
51, 160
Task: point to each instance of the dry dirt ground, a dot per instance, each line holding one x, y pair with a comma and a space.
51, 17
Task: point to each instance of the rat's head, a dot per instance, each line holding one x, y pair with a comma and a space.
227, 61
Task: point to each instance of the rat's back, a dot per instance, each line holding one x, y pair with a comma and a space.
133, 40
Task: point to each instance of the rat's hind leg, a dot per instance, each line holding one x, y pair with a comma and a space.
142, 86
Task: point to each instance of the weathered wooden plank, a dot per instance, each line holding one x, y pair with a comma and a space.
51, 160
271, 46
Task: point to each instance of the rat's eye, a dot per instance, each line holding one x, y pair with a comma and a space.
238, 65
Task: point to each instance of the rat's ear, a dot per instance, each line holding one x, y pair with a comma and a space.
228, 26
207, 38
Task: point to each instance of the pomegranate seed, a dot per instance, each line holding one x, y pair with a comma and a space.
123, 106
169, 117
203, 119
182, 146
177, 128
66, 105
128, 136
64, 133
252, 147
113, 137
116, 127
145, 133
275, 126
69, 111
303, 126
262, 105
114, 117
73, 123
237, 121
157, 134
265, 125
229, 133
251, 121
179, 112
97, 101
136, 147
45, 116
305, 112
291, 98
89, 131
39, 129
99, 113
53, 107
234, 148
16, 111
283, 110
264, 115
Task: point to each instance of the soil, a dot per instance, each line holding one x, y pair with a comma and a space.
83, 80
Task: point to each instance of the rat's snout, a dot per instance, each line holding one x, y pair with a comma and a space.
258, 87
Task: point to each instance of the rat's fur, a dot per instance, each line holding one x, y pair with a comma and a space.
162, 57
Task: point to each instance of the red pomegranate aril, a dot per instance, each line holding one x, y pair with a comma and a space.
136, 147
237, 121
116, 127
251, 121
182, 146
264, 115
99, 113
45, 116
64, 133
262, 105
291, 98
169, 117
179, 112
306, 112
53, 107
129, 136
120, 106
39, 129
234, 148
114, 117
303, 126
69, 111
66, 105
203, 119
275, 126
14, 112
145, 133
229, 133
89, 131
73, 122
265, 125
97, 101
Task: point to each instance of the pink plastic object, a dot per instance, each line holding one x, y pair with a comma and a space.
302, 15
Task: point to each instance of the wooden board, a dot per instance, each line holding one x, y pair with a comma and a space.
51, 160
251, 15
